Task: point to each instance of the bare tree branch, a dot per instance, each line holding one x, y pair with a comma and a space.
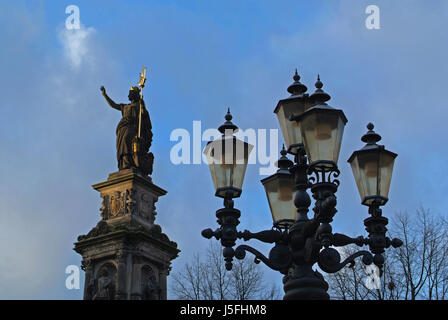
417, 270
207, 279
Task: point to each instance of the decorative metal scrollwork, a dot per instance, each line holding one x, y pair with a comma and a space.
279, 256
324, 172
330, 259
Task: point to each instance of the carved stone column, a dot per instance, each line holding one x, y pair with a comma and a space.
163, 273
86, 265
136, 293
121, 276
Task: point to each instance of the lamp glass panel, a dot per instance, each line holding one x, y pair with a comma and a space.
365, 170
387, 161
290, 129
373, 173
280, 192
227, 159
322, 135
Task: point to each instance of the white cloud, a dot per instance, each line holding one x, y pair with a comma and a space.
76, 45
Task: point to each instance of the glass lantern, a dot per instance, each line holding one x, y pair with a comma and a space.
280, 191
322, 127
294, 105
372, 168
227, 158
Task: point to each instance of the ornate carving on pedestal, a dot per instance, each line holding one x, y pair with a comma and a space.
146, 208
120, 203
150, 287
86, 264
128, 194
103, 287
101, 228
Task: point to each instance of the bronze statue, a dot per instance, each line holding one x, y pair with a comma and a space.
134, 131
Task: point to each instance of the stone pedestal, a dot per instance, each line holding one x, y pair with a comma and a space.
126, 256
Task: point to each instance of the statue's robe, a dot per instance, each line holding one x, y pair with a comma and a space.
127, 130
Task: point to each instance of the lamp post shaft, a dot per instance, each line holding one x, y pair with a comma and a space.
302, 282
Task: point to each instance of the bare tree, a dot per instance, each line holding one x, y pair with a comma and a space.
246, 280
188, 284
417, 270
423, 258
209, 280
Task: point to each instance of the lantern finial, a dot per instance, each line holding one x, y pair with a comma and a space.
296, 76
319, 96
371, 137
297, 88
228, 116
319, 84
228, 124
283, 163
283, 152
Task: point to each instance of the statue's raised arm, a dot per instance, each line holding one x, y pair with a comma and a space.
109, 100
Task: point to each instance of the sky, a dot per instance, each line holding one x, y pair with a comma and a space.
57, 134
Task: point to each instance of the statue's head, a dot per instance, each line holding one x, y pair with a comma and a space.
134, 94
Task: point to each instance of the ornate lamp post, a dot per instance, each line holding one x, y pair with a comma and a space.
313, 133
227, 158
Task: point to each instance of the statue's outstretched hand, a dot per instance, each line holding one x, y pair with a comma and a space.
103, 90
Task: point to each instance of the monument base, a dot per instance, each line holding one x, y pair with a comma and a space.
126, 256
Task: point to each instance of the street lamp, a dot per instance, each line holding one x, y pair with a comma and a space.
313, 133
227, 159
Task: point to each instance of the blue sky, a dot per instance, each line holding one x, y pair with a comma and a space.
57, 134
